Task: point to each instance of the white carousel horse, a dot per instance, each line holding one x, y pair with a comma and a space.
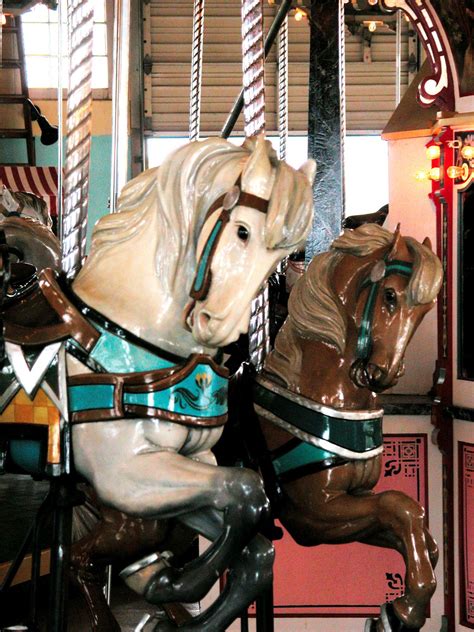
26, 224
24, 204
170, 279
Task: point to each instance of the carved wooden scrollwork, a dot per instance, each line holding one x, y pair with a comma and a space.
437, 88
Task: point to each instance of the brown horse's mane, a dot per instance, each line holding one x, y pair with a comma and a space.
316, 313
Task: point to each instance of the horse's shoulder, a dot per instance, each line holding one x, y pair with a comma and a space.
25, 304
37, 310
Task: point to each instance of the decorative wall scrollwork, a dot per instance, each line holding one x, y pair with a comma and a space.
437, 88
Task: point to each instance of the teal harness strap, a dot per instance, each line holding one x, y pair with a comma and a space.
299, 458
357, 436
364, 339
132, 378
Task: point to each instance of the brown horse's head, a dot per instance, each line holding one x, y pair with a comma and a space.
386, 298
364, 300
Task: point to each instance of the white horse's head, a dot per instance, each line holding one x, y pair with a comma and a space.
165, 236
255, 238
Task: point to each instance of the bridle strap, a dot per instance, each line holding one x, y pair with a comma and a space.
385, 269
228, 201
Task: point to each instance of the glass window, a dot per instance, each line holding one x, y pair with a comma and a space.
466, 283
366, 168
40, 37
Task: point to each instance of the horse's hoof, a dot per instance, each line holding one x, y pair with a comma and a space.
137, 576
172, 585
390, 621
164, 587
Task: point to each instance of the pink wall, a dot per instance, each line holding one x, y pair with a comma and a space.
410, 205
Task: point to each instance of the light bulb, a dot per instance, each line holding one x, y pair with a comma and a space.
467, 152
372, 26
3, 19
299, 14
435, 174
433, 152
421, 175
373, 2
456, 172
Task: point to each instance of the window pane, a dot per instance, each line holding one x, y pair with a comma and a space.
42, 72
99, 11
40, 39
40, 13
99, 46
100, 72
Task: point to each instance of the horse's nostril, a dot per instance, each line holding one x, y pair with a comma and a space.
204, 318
374, 372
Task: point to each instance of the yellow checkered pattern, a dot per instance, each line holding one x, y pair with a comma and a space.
40, 410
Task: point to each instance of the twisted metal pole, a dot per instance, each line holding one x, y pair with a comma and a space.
253, 58
283, 104
120, 100
252, 64
342, 97
283, 89
78, 136
196, 70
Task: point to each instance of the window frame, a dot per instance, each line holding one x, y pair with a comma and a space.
98, 94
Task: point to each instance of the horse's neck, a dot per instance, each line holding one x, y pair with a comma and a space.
124, 287
325, 378
317, 371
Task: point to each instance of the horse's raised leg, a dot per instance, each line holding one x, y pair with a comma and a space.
120, 539
319, 510
403, 517
248, 576
236, 523
141, 478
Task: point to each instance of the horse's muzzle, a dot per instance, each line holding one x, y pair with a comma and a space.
371, 376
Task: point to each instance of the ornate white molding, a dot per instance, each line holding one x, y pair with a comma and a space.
438, 88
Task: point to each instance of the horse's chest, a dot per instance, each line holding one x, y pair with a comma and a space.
188, 441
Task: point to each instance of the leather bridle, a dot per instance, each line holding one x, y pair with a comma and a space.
381, 270
227, 202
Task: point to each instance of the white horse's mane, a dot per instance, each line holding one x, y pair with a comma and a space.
181, 191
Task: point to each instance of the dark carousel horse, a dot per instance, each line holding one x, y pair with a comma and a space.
351, 317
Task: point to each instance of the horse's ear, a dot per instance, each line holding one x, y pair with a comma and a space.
309, 169
395, 243
257, 173
427, 243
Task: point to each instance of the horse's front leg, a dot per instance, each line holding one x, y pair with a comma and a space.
132, 473
249, 574
238, 506
402, 527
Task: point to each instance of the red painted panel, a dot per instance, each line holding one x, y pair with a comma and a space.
351, 579
466, 531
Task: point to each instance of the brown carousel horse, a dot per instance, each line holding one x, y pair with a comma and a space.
350, 319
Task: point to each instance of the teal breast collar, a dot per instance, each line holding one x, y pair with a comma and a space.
322, 436
133, 379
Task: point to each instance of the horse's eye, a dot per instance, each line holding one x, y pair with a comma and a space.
390, 298
243, 233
